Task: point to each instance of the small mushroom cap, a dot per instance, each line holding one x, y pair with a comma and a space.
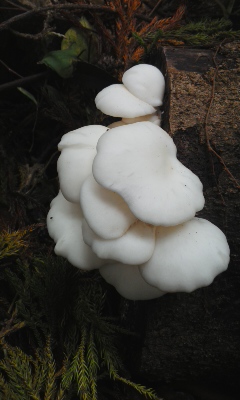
78, 149
145, 82
106, 212
117, 101
135, 247
128, 282
87, 136
138, 162
64, 223
187, 256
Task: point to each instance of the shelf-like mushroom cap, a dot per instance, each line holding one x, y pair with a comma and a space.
145, 82
117, 101
78, 149
136, 246
64, 223
106, 212
187, 256
128, 282
138, 162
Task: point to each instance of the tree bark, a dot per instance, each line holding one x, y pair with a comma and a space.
191, 342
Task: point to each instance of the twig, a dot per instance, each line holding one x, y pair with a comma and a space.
23, 81
10, 69
16, 6
56, 7
36, 36
209, 146
155, 8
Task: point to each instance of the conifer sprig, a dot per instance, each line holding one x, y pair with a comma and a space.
72, 342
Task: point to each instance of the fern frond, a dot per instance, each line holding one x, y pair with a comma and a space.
93, 364
81, 370
5, 390
12, 242
60, 305
78, 370
201, 33
148, 393
18, 367
50, 385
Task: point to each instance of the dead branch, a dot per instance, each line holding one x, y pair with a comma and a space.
23, 81
56, 7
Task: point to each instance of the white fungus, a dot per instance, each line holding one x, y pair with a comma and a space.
187, 256
127, 205
105, 211
128, 282
138, 162
78, 149
64, 223
145, 82
136, 246
117, 101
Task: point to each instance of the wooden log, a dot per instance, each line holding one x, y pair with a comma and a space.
191, 342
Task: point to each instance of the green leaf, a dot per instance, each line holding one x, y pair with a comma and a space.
76, 45
61, 61
85, 41
73, 37
28, 94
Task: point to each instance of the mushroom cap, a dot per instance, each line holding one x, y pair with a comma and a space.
128, 282
138, 162
87, 136
64, 223
117, 101
187, 256
106, 212
135, 247
145, 82
78, 149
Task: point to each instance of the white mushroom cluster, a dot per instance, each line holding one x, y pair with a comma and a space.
127, 205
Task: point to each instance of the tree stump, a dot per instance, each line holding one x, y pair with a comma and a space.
190, 343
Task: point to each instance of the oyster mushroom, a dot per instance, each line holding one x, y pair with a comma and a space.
138, 162
78, 149
117, 101
187, 256
135, 247
145, 82
64, 223
128, 282
106, 212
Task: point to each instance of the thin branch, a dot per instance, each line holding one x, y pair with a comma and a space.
36, 36
56, 7
23, 81
10, 69
155, 8
16, 6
